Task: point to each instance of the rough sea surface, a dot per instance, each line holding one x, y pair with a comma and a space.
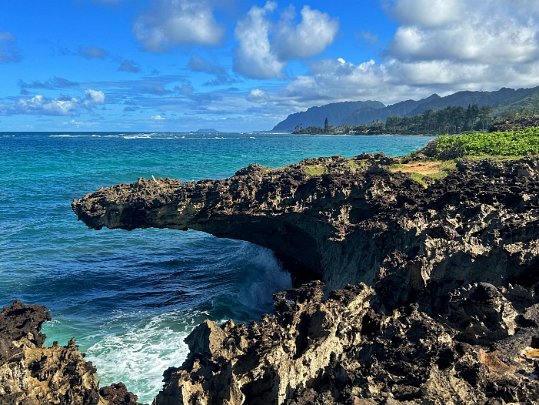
130, 298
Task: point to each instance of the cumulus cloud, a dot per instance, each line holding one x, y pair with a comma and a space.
63, 105
158, 117
8, 48
94, 97
254, 55
498, 31
173, 22
427, 13
440, 46
264, 47
129, 66
92, 52
312, 35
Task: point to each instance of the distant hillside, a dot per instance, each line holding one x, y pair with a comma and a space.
365, 112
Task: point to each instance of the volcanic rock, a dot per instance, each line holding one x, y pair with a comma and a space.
31, 374
415, 294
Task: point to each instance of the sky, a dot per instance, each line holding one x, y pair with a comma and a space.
237, 65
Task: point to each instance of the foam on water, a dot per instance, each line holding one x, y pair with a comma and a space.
136, 348
139, 356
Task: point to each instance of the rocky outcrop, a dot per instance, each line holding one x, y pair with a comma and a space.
478, 349
348, 221
444, 302
31, 374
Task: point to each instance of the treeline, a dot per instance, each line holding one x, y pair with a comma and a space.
450, 120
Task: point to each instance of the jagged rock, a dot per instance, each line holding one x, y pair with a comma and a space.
341, 350
481, 313
265, 362
31, 374
443, 307
349, 221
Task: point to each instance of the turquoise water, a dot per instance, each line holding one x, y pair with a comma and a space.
130, 298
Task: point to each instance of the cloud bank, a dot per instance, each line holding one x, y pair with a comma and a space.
440, 46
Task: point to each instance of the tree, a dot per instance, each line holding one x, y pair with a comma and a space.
326, 125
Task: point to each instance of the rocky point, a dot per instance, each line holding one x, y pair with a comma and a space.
405, 291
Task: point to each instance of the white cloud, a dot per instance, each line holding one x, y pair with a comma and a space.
440, 46
8, 48
264, 48
257, 95
312, 35
254, 56
158, 117
41, 105
94, 97
173, 22
427, 13
497, 31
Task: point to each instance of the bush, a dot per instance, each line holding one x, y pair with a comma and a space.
520, 142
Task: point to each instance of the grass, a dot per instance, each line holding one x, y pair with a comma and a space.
517, 143
356, 165
314, 170
425, 172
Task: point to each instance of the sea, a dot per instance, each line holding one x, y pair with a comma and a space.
131, 297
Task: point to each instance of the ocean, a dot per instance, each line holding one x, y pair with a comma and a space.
130, 298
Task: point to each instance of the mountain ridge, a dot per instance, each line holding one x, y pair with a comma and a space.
365, 112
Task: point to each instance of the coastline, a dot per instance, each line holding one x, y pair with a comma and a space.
444, 300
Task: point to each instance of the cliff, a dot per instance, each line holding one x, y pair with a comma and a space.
31, 374
443, 301
359, 220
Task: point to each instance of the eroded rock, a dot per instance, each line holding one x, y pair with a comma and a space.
31, 374
345, 350
443, 307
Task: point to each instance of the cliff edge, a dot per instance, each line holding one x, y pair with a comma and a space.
431, 279
355, 220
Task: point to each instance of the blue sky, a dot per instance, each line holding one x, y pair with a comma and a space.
177, 65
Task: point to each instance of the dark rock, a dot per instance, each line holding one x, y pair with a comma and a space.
444, 282
31, 374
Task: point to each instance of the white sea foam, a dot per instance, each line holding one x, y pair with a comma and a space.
139, 356
267, 278
138, 136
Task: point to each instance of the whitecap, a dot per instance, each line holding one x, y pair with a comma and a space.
139, 356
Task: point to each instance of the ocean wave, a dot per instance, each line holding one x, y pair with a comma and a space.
139, 356
140, 136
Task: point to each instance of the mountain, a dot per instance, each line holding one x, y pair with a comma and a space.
336, 113
365, 112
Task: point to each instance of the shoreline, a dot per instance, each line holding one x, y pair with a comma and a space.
445, 269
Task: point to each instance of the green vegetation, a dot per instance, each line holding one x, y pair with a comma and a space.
314, 170
450, 120
355, 164
520, 142
425, 172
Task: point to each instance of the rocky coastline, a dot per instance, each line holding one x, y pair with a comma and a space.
404, 292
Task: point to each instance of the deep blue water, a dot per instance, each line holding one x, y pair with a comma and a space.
130, 298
